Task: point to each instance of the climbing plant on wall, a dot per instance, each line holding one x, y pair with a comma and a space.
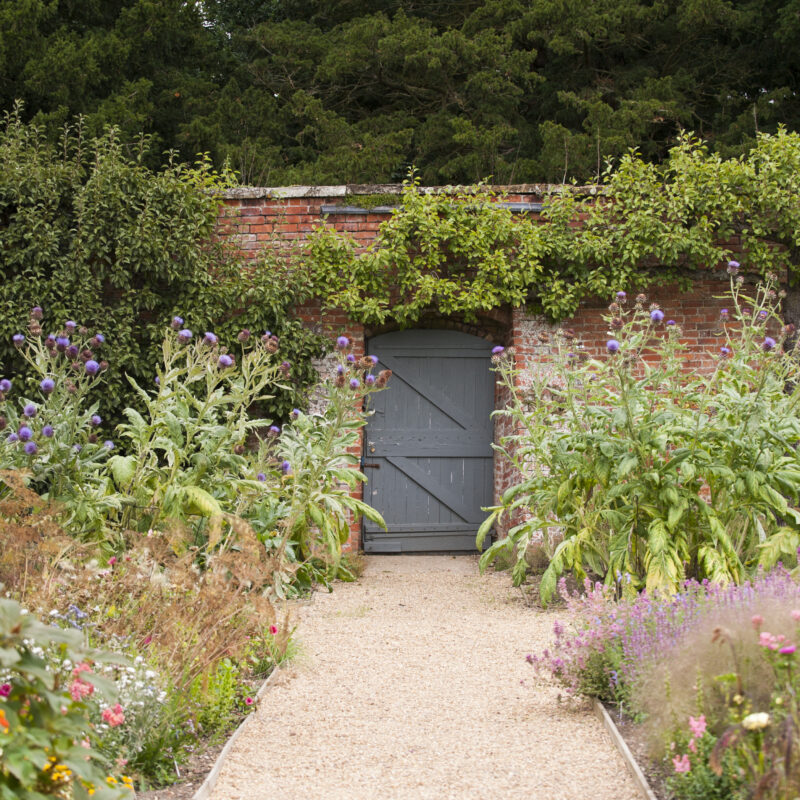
458, 252
88, 232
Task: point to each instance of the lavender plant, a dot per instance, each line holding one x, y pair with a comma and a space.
647, 471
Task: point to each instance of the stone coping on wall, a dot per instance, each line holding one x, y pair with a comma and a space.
355, 189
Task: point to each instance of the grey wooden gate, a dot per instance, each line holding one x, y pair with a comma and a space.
428, 455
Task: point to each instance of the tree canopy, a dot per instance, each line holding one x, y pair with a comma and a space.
357, 91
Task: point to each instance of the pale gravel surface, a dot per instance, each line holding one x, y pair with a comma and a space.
413, 684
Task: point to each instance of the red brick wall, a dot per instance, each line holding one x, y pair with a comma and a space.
254, 222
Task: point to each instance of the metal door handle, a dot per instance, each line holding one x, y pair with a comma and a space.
364, 465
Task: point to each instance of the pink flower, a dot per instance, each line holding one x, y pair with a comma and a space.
757, 621
248, 701
112, 561
5, 690
692, 746
114, 716
766, 639
681, 763
697, 725
787, 650
79, 689
273, 629
796, 614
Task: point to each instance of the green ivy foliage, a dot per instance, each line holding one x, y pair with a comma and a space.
90, 233
457, 252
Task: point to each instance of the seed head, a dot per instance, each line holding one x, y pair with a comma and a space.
243, 335
238, 449
36, 312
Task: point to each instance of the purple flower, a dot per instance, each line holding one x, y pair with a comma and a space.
92, 367
62, 342
185, 336
25, 434
108, 444
77, 448
209, 338
31, 448
724, 313
612, 345
18, 339
47, 385
72, 351
29, 410
47, 431
354, 383
369, 380
622, 296
657, 315
224, 361
670, 322
96, 420
12, 437
768, 344
295, 413
497, 350
340, 370
733, 267
157, 381
36, 312
342, 343
374, 360
261, 477
762, 314
285, 367
351, 359
70, 325
100, 338
5, 386
274, 430
724, 351
176, 323
286, 467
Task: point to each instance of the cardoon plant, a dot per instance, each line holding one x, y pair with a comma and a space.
634, 466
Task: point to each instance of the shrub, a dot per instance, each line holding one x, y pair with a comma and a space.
648, 471
46, 731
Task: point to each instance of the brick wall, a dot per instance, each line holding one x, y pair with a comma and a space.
258, 218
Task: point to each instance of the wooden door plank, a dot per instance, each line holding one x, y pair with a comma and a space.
430, 485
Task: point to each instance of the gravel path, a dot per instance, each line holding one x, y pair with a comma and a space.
413, 684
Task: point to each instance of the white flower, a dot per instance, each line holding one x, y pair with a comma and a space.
756, 722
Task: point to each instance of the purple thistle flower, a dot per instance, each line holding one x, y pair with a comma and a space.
622, 296
768, 344
369, 380
670, 322
62, 342
77, 448
496, 351
36, 312
96, 420
657, 315
340, 370
733, 267
285, 367
47, 385
354, 383
351, 359
612, 345
31, 448
25, 433
100, 338
70, 325
157, 381
92, 367
374, 360
108, 444
209, 338
261, 477
724, 313
274, 430
18, 339
47, 431
295, 413
5, 386
762, 314
286, 467
185, 336
176, 323
724, 351
29, 410
72, 351
12, 437
224, 361
342, 343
